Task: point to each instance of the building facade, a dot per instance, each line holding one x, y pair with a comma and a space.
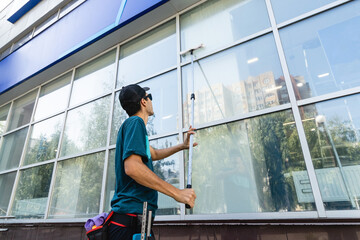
277, 87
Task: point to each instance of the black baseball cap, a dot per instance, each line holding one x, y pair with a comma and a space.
131, 94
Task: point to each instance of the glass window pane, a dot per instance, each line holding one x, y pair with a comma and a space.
285, 10
164, 90
11, 149
168, 170
94, 79
32, 192
333, 132
147, 55
322, 51
22, 110
6, 185
86, 127
219, 23
253, 169
3, 116
239, 80
119, 116
110, 181
53, 97
44, 140
77, 187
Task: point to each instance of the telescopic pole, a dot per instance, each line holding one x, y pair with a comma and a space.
192, 99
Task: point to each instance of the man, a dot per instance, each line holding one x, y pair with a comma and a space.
136, 181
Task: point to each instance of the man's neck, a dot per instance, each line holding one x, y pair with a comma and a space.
143, 115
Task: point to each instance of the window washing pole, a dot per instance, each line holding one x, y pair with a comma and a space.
192, 99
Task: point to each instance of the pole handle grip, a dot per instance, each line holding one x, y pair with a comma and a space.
187, 205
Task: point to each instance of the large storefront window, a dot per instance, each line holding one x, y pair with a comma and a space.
77, 187
322, 52
250, 166
219, 23
86, 127
147, 55
249, 163
94, 79
333, 133
32, 192
242, 79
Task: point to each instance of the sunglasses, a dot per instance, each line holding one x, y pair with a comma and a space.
148, 96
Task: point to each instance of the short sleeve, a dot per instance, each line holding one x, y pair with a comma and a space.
135, 139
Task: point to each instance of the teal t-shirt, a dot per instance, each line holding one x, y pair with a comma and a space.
129, 196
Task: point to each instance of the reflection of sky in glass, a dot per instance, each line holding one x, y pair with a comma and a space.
285, 10
147, 55
11, 149
94, 79
239, 80
6, 185
53, 97
164, 90
119, 116
232, 20
22, 110
3, 116
324, 50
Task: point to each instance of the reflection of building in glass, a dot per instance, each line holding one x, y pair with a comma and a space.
301, 88
217, 101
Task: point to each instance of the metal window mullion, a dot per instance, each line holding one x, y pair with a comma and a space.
107, 153
180, 112
301, 132
52, 183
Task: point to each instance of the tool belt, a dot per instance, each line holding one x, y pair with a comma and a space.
127, 220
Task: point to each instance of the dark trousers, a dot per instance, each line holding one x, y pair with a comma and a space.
124, 229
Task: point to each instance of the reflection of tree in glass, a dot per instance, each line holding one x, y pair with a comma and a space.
33, 185
78, 186
44, 147
95, 124
276, 153
150, 126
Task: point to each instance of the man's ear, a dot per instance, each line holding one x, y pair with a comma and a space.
143, 102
